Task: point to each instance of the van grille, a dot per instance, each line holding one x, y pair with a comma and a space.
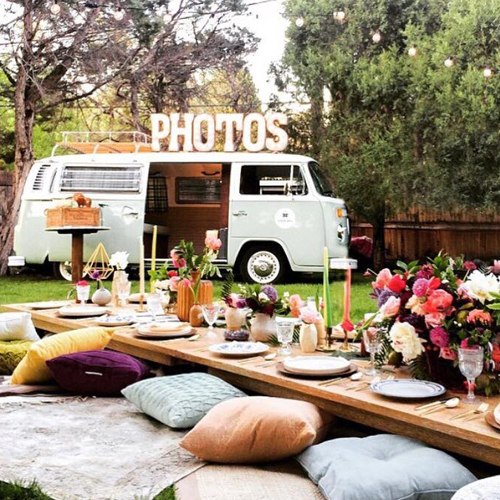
110, 179
41, 177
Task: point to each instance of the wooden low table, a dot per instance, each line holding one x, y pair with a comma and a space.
475, 438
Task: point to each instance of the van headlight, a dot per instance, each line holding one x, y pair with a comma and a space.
341, 232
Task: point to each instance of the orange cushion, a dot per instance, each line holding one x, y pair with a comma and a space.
256, 429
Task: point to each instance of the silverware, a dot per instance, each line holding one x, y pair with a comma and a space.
434, 403
483, 408
451, 403
479, 409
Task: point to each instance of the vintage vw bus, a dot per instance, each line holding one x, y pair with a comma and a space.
274, 212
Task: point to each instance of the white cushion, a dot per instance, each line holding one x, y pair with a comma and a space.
17, 326
486, 489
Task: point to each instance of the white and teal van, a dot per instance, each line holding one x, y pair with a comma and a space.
274, 212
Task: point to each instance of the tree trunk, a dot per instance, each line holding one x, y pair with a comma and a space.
379, 243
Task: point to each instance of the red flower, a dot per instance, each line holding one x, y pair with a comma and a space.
171, 274
347, 325
397, 284
83, 283
438, 301
495, 356
434, 283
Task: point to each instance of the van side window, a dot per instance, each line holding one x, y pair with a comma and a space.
197, 190
101, 179
272, 180
157, 197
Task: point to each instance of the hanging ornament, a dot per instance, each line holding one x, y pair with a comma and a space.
167, 18
299, 22
99, 261
487, 72
118, 15
377, 36
449, 62
55, 8
412, 51
339, 16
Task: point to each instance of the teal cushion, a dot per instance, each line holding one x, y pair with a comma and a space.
180, 401
383, 467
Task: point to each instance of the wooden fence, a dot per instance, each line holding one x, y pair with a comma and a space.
6, 180
420, 232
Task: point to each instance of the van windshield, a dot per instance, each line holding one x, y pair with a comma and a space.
321, 181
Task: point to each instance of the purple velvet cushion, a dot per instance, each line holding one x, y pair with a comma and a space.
97, 373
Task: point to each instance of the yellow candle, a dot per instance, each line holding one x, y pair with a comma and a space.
141, 269
153, 255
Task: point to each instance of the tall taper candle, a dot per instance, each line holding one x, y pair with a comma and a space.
153, 256
141, 270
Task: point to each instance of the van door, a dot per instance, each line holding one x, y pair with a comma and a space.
120, 191
272, 202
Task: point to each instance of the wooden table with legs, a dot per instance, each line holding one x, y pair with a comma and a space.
474, 438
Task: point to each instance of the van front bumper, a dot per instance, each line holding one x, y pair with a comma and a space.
16, 261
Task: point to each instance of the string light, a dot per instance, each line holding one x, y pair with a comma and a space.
299, 22
449, 62
377, 36
55, 8
339, 16
487, 72
118, 14
167, 18
412, 51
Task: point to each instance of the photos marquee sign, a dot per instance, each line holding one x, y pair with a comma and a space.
199, 132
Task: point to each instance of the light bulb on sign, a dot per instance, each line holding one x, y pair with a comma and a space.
487, 72
449, 62
377, 37
299, 22
55, 8
412, 51
118, 15
167, 18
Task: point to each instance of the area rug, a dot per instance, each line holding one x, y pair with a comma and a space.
89, 448
277, 481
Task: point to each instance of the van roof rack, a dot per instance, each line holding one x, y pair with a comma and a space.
87, 142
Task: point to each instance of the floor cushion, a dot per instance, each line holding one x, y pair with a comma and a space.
180, 401
257, 429
17, 326
96, 373
33, 368
11, 354
486, 489
383, 467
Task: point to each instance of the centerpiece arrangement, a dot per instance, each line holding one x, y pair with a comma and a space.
426, 313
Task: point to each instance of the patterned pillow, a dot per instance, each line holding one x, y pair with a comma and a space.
11, 354
180, 401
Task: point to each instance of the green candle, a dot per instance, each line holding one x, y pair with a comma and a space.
327, 299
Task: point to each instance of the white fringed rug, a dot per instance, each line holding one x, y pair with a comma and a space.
89, 449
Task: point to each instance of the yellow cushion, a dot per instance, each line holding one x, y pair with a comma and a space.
33, 368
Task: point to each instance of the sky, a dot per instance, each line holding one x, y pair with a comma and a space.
270, 27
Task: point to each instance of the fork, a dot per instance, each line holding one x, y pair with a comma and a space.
472, 413
483, 408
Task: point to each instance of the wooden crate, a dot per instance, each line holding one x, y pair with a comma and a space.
73, 217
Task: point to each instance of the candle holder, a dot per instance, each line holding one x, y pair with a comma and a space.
329, 344
141, 307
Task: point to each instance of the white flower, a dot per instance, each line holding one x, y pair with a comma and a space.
162, 284
480, 286
119, 260
404, 339
263, 297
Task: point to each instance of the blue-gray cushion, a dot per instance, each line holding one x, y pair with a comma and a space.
383, 467
180, 401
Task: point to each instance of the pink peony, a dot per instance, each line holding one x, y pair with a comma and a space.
479, 316
440, 337
178, 263
438, 301
420, 287
447, 353
434, 320
174, 283
390, 308
213, 243
495, 268
175, 254
469, 265
383, 278
309, 316
296, 303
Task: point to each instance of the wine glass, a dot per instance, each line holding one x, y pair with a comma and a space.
371, 339
471, 363
123, 291
211, 313
285, 336
154, 303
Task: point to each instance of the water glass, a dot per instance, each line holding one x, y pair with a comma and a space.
154, 303
371, 339
471, 363
211, 313
83, 293
123, 291
285, 336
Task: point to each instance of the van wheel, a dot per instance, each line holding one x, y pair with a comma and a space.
263, 265
64, 269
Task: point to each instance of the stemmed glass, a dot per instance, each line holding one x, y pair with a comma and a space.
371, 339
155, 307
211, 313
123, 291
471, 363
284, 331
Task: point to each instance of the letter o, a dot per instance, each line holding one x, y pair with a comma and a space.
260, 142
198, 143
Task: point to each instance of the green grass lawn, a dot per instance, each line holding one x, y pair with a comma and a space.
36, 289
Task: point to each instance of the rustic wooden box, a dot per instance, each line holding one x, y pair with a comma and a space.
73, 217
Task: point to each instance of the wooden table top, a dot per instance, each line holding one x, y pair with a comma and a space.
474, 438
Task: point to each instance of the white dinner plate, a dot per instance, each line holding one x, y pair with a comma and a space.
115, 321
316, 365
496, 414
39, 306
408, 389
81, 311
239, 349
164, 330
